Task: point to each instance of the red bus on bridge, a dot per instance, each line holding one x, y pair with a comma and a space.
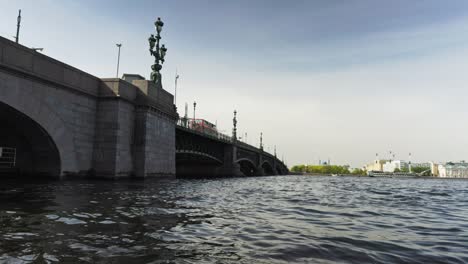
203, 126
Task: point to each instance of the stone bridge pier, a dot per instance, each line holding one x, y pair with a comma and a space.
61, 121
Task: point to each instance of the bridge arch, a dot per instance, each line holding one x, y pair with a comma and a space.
190, 163
197, 155
267, 168
46, 147
247, 167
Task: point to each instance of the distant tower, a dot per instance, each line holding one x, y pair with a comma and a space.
409, 162
328, 161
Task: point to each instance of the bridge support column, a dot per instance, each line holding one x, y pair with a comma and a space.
260, 171
154, 149
113, 139
135, 130
155, 121
230, 167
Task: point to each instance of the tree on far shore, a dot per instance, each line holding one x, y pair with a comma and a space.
321, 169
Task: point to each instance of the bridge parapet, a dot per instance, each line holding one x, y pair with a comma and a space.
39, 67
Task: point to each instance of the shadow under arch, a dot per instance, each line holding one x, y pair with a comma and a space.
267, 168
193, 164
247, 167
36, 152
279, 171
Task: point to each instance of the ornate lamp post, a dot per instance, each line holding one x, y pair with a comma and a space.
194, 108
261, 140
158, 52
234, 129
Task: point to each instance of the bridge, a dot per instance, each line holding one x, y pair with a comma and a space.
59, 121
214, 154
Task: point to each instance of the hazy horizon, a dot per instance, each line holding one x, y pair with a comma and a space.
339, 80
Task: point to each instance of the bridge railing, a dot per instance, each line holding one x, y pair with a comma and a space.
185, 123
7, 157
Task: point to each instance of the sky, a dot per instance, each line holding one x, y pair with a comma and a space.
323, 79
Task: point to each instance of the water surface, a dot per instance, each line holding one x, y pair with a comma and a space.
283, 219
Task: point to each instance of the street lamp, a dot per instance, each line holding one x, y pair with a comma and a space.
158, 52
261, 140
18, 25
194, 109
175, 90
234, 129
158, 25
118, 59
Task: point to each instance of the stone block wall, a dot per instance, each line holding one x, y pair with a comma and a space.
108, 127
69, 118
154, 144
114, 138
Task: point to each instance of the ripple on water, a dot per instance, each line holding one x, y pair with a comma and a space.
290, 219
70, 221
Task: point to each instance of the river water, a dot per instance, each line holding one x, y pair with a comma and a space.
284, 219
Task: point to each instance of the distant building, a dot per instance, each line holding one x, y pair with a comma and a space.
377, 165
421, 165
434, 169
453, 170
392, 165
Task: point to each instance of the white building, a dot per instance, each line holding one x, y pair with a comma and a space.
453, 170
391, 166
377, 165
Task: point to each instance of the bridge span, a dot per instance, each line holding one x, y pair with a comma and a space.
216, 154
56, 120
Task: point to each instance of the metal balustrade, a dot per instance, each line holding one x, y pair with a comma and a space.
184, 123
7, 157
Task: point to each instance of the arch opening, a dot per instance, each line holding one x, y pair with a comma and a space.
267, 169
27, 148
196, 165
247, 167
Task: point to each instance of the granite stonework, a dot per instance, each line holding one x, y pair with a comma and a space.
98, 127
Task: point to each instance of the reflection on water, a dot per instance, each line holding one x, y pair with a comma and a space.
239, 220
